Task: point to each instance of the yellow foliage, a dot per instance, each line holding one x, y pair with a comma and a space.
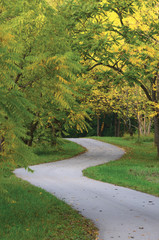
62, 79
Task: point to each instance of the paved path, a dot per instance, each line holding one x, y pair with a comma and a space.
118, 212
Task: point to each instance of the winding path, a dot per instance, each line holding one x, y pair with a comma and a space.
118, 212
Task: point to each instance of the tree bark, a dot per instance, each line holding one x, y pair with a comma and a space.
1, 143
156, 125
53, 136
149, 127
118, 130
102, 128
98, 127
155, 98
117, 126
31, 133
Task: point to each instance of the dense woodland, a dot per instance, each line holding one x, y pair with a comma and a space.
76, 68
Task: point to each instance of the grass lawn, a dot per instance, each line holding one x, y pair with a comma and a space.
137, 169
66, 150
30, 213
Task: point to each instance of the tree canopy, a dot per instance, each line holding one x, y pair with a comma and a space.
39, 78
122, 38
63, 63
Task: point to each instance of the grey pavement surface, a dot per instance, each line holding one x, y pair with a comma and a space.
118, 212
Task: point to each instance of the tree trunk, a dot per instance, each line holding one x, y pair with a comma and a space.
149, 127
118, 129
101, 129
139, 127
130, 128
144, 125
1, 143
31, 133
117, 126
53, 136
102, 126
98, 127
155, 98
156, 125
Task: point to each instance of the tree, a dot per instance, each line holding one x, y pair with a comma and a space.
38, 77
122, 37
14, 107
131, 103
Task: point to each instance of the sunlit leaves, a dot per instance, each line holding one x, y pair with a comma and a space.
38, 76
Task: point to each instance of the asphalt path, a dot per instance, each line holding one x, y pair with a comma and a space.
118, 212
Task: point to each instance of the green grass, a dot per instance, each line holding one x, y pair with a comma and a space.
30, 213
47, 154
137, 169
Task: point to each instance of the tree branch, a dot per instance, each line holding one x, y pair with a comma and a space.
17, 77
145, 91
97, 64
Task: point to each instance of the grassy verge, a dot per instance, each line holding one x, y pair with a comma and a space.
30, 213
137, 169
66, 150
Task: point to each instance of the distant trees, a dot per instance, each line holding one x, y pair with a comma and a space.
122, 37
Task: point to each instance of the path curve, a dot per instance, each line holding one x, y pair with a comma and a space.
118, 212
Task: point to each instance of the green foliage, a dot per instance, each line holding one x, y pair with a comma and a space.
46, 54
39, 84
120, 38
14, 112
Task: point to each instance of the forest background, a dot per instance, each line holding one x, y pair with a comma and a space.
76, 68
